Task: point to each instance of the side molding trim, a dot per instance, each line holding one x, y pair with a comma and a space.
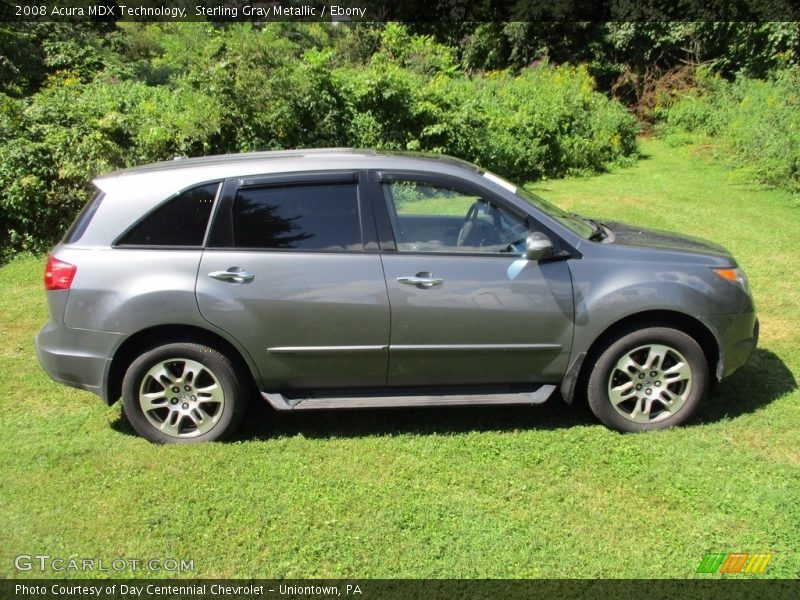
537, 396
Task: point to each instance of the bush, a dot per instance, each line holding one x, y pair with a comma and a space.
71, 132
543, 122
548, 122
754, 123
244, 88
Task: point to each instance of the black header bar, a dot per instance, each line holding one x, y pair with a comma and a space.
433, 11
398, 589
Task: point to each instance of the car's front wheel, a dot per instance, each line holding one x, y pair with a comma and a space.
183, 393
651, 378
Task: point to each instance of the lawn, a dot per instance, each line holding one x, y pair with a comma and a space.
495, 492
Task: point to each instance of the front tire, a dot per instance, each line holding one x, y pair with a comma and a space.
183, 393
649, 379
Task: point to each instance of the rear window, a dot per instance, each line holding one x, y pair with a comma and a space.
79, 225
180, 221
298, 217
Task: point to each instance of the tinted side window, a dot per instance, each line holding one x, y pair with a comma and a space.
301, 217
79, 225
181, 221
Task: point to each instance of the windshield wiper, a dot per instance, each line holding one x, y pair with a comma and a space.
598, 233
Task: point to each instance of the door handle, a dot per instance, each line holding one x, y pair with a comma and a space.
233, 275
421, 280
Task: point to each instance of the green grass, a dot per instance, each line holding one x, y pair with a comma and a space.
514, 492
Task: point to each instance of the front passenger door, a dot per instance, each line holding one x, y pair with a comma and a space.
466, 306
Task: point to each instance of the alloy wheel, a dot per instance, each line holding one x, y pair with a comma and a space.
650, 383
182, 398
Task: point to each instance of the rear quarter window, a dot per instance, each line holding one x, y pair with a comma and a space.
79, 225
180, 221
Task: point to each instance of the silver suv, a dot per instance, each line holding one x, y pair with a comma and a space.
327, 279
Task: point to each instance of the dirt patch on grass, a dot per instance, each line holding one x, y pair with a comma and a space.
776, 328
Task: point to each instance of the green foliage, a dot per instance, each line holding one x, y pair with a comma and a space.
151, 91
71, 131
616, 48
21, 61
547, 122
30, 51
417, 53
543, 122
754, 123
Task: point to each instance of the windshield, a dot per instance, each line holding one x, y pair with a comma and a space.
572, 222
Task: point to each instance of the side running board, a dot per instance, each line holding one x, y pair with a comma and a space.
537, 396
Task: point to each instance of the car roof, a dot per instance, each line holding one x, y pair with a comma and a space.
287, 160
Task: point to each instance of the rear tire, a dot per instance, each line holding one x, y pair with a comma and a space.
183, 393
649, 379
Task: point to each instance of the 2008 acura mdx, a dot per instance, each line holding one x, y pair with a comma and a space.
334, 279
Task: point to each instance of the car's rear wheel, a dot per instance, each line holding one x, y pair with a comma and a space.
649, 379
183, 393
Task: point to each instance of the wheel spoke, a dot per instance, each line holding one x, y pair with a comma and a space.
678, 372
668, 399
161, 375
656, 356
202, 420
647, 405
172, 423
628, 365
210, 393
194, 418
621, 392
191, 371
671, 402
153, 400
639, 414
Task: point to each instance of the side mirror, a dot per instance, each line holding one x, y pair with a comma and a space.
538, 246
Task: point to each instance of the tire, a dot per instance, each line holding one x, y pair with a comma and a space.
649, 379
209, 402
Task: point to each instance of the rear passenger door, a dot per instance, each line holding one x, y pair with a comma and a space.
292, 270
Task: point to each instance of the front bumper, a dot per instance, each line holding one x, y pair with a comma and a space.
79, 358
737, 337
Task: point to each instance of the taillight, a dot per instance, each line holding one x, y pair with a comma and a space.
58, 274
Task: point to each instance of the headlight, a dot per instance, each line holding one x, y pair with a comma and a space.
735, 276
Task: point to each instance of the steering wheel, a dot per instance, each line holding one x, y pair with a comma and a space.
468, 226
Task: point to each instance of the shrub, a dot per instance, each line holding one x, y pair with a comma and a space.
71, 132
548, 122
544, 122
245, 88
754, 123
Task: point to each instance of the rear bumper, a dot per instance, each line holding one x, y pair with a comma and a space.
737, 337
79, 358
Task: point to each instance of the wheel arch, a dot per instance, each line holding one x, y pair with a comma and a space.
574, 383
146, 339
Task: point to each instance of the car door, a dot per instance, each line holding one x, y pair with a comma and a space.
292, 271
466, 306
